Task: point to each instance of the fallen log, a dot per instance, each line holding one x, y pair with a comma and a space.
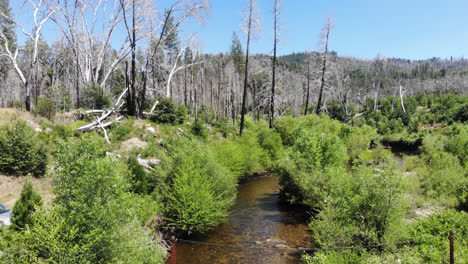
145, 163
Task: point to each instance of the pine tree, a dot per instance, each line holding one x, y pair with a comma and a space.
25, 206
237, 53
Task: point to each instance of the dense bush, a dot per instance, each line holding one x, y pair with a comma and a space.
25, 206
20, 150
198, 129
92, 217
313, 160
166, 112
285, 126
431, 244
361, 208
138, 177
14, 104
122, 131
46, 108
96, 98
195, 190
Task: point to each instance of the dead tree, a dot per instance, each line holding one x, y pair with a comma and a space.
276, 12
324, 37
251, 24
41, 14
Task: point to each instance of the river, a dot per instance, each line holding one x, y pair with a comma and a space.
258, 219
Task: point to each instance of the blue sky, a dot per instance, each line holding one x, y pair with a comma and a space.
412, 29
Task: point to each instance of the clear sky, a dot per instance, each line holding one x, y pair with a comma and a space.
411, 29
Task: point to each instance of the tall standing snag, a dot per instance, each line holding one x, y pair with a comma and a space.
273, 81
253, 22
324, 37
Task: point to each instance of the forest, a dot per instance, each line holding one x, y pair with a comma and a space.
123, 132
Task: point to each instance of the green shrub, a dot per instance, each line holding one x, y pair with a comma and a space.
315, 158
14, 104
91, 212
443, 179
207, 114
20, 150
96, 98
138, 177
360, 139
198, 129
166, 112
46, 108
362, 207
122, 131
195, 190
270, 141
225, 126
25, 206
285, 126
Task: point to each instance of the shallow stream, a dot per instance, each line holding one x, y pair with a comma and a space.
259, 219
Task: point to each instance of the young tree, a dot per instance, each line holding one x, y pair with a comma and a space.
324, 37
236, 52
25, 206
250, 27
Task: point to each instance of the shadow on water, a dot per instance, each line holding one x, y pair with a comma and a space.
259, 218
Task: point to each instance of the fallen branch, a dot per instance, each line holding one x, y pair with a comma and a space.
147, 164
95, 124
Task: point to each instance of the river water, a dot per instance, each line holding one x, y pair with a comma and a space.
258, 219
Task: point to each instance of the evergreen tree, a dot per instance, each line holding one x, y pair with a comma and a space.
171, 34
237, 53
25, 205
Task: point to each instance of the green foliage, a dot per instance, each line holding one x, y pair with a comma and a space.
96, 98
361, 208
315, 158
122, 131
14, 104
270, 141
138, 177
20, 150
360, 140
199, 129
196, 191
237, 54
166, 112
443, 179
46, 108
91, 218
431, 246
207, 114
25, 206
285, 126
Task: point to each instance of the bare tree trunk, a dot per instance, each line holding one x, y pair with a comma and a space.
273, 81
244, 95
327, 29
308, 85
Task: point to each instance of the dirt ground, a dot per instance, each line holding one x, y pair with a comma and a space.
11, 186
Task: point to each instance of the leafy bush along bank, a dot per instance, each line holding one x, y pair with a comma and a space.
361, 196
355, 189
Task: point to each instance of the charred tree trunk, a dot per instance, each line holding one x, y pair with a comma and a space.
273, 80
308, 86
244, 95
